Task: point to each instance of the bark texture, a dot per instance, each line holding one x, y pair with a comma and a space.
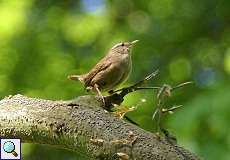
81, 125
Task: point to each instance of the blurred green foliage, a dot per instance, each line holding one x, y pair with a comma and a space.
41, 42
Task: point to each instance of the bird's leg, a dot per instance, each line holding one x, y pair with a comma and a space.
96, 87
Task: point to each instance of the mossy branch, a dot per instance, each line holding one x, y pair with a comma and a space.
81, 125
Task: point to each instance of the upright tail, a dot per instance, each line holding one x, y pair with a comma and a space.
76, 77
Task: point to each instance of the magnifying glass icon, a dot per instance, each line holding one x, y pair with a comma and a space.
9, 147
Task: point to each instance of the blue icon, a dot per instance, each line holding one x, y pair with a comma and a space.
9, 147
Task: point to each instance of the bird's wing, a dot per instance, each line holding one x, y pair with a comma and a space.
101, 65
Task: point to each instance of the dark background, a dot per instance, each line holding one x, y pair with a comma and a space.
41, 42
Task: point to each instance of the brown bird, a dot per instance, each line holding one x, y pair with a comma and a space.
110, 71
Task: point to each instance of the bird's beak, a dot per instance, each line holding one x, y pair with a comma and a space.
133, 42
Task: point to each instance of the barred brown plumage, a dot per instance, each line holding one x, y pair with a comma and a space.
110, 71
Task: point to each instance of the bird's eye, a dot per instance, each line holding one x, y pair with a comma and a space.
122, 44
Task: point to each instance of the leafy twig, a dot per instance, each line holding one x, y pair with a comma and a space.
165, 91
118, 95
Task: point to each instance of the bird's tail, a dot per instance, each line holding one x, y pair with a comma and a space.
76, 77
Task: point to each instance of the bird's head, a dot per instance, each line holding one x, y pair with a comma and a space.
123, 47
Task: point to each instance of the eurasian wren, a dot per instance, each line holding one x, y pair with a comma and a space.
110, 71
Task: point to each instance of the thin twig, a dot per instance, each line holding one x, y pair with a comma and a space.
117, 98
136, 85
182, 85
154, 114
165, 110
164, 91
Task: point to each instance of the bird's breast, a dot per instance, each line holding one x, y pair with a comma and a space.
126, 64
123, 67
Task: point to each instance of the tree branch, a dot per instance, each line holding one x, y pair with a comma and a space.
81, 125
